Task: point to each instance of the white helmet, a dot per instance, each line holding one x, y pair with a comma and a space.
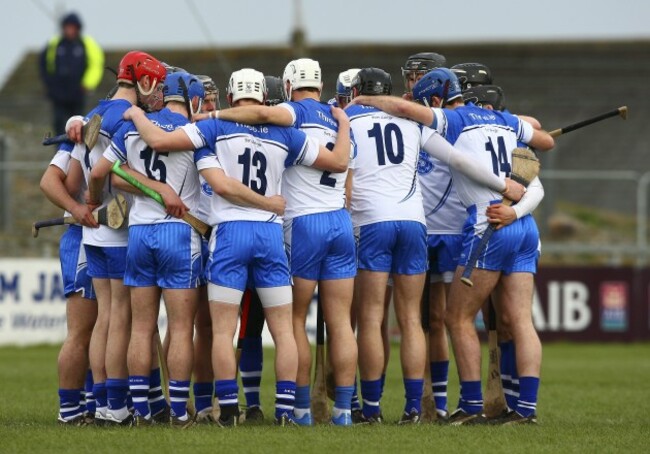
246, 84
302, 73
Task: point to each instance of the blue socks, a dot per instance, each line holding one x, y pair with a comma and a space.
471, 397
69, 407
227, 391
527, 404
250, 367
88, 389
156, 397
439, 378
179, 393
342, 400
303, 401
285, 396
139, 387
203, 395
116, 392
413, 394
371, 394
509, 377
101, 404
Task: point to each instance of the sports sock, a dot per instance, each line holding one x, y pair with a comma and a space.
203, 395
179, 393
506, 377
88, 391
342, 400
157, 401
99, 391
439, 378
383, 382
116, 390
356, 405
471, 397
303, 401
69, 407
139, 387
527, 404
227, 391
514, 375
371, 395
250, 367
413, 394
285, 396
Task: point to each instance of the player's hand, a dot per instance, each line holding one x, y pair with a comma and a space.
91, 204
514, 191
174, 206
277, 204
75, 132
132, 112
340, 115
201, 116
83, 214
501, 215
408, 96
357, 100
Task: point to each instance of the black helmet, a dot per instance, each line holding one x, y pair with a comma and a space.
486, 94
472, 74
275, 90
424, 61
372, 81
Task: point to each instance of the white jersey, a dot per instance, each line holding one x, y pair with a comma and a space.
308, 190
176, 169
111, 112
205, 200
62, 160
254, 155
385, 185
489, 137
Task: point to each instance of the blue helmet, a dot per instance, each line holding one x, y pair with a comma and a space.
181, 87
440, 82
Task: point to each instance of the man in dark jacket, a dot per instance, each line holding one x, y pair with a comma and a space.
70, 66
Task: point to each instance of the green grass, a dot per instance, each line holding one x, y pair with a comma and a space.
594, 398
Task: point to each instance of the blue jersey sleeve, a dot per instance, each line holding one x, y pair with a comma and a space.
208, 130
299, 110
297, 146
118, 144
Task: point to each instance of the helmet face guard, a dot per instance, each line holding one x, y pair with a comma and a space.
418, 65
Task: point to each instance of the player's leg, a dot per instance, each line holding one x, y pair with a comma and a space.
507, 360
278, 313
303, 292
145, 305
336, 296
203, 386
438, 345
119, 330
181, 310
97, 348
252, 354
385, 331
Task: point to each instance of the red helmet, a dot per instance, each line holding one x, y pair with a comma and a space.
136, 64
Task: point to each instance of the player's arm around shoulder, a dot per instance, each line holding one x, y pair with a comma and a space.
156, 138
255, 115
398, 107
236, 192
338, 158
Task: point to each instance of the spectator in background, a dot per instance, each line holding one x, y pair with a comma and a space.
70, 65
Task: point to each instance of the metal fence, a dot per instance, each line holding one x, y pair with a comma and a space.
569, 195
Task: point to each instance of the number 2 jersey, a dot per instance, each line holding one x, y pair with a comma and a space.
308, 190
254, 155
385, 185
176, 169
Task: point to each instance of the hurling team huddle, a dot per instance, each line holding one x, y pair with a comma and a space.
282, 199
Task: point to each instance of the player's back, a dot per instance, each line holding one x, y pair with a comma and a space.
254, 155
488, 136
385, 185
308, 190
175, 169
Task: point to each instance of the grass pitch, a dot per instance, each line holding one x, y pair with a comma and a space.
593, 398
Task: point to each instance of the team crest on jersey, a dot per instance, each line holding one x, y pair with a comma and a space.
425, 164
206, 189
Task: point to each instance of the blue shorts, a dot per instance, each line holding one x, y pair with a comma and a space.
321, 246
512, 249
165, 255
74, 267
398, 247
444, 252
240, 248
106, 262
